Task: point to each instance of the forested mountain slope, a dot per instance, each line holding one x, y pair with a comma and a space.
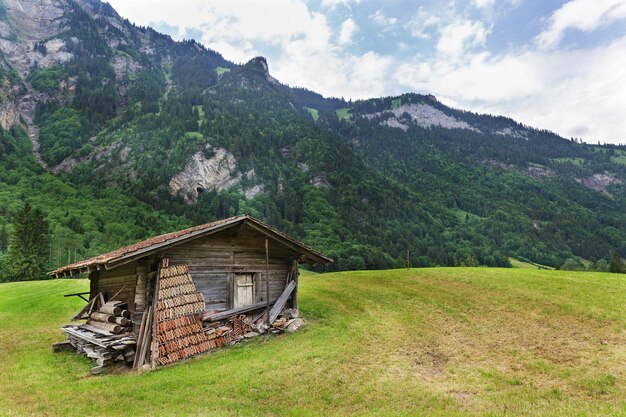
132, 134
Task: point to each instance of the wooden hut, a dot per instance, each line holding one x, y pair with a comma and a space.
208, 273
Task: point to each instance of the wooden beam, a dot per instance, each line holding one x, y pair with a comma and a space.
280, 303
226, 314
146, 339
296, 278
164, 263
139, 347
87, 309
78, 294
267, 280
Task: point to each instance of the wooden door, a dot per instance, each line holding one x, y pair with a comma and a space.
244, 290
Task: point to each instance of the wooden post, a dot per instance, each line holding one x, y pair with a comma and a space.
154, 312
295, 274
267, 282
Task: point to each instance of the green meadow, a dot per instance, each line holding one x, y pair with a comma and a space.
418, 342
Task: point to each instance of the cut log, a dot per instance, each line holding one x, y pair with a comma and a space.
122, 321
125, 314
110, 309
104, 317
111, 327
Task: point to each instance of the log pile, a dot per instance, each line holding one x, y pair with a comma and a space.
112, 317
179, 332
106, 336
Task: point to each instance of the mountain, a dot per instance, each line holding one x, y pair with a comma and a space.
118, 132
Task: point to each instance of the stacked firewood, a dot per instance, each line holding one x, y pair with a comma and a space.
111, 317
179, 330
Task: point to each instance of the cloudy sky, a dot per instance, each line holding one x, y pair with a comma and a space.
552, 64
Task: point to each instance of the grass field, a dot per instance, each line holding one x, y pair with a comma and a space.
315, 114
516, 263
420, 342
343, 114
575, 161
221, 70
621, 159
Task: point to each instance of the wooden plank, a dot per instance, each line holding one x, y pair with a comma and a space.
267, 279
280, 303
146, 337
87, 309
225, 314
140, 340
296, 276
164, 262
84, 337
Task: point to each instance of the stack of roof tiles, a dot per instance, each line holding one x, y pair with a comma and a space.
179, 329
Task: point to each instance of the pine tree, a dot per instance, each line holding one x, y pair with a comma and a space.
27, 255
616, 266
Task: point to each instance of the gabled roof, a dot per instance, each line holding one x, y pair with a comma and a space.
146, 247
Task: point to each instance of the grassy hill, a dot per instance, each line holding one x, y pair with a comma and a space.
445, 341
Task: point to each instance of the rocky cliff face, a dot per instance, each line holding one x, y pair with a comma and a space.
422, 115
31, 23
9, 114
600, 181
205, 174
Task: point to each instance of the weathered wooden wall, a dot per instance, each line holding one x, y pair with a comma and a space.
122, 279
213, 261
111, 281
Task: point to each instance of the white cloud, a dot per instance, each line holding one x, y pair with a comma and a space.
331, 4
348, 29
423, 23
483, 3
575, 93
301, 41
583, 15
379, 18
456, 36
234, 26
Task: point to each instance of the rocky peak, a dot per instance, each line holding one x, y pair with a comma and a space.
259, 64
